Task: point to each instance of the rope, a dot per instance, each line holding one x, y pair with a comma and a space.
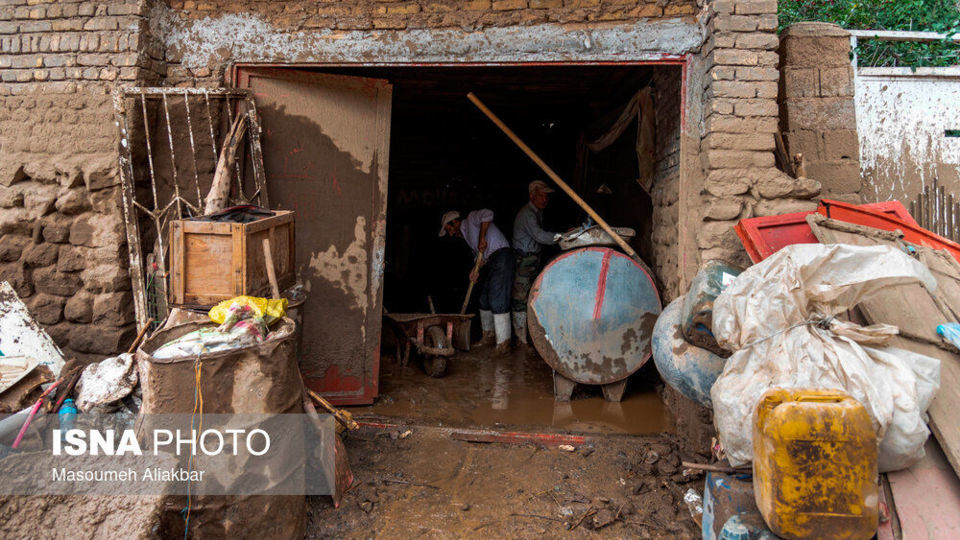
197, 401
820, 323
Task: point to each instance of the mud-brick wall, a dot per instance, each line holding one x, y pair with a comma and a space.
62, 243
817, 110
211, 22
665, 192
740, 118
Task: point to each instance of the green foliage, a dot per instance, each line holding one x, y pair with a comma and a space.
916, 15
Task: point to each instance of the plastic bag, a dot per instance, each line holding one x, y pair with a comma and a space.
951, 333
778, 316
105, 382
210, 340
267, 309
697, 313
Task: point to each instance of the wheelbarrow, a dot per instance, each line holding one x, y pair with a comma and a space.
435, 336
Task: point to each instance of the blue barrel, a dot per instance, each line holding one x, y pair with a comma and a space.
687, 369
591, 314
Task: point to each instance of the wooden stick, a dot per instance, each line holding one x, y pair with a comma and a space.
271, 272
66, 391
430, 303
466, 299
143, 332
554, 176
343, 417
714, 468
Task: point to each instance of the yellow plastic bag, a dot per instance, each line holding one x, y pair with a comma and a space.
269, 310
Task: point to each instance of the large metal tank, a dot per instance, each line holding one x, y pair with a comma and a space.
591, 314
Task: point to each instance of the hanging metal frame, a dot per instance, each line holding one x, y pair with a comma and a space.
180, 205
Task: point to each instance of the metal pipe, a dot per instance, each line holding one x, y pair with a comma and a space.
193, 149
173, 157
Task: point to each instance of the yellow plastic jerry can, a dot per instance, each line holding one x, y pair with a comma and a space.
815, 465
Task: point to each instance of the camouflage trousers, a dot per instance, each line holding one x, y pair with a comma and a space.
526, 272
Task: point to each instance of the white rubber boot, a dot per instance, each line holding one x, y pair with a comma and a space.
486, 324
520, 326
501, 323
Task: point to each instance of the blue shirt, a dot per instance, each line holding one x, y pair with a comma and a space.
528, 233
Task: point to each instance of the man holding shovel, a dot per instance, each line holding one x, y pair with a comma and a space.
493, 271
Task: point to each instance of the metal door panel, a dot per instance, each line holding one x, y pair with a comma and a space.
326, 150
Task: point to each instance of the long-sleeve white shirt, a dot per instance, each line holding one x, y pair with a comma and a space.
470, 229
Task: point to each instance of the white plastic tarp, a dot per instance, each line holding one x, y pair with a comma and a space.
778, 317
20, 335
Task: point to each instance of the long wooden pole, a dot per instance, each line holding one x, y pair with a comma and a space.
554, 176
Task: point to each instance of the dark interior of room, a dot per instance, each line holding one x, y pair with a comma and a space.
445, 154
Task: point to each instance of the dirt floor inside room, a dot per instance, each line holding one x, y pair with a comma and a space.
446, 155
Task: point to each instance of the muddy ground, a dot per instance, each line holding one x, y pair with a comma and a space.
429, 485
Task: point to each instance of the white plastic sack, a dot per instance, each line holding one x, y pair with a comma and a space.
105, 382
765, 316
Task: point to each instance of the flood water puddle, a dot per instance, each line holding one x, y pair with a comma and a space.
516, 391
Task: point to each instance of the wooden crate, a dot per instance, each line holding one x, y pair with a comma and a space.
211, 261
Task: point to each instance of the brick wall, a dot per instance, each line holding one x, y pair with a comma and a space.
62, 245
740, 117
818, 116
665, 192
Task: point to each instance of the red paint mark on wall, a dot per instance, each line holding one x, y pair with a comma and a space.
336, 186
601, 285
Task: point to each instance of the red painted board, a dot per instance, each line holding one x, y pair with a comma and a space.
764, 236
927, 496
888, 221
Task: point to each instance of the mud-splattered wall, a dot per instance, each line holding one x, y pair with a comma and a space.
909, 131
62, 245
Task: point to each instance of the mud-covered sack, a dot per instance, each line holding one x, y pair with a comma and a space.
779, 318
697, 314
263, 378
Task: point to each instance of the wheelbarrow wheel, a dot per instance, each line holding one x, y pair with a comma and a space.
436, 366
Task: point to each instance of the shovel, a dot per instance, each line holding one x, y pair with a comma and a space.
466, 300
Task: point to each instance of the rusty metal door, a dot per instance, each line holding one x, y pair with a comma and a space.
326, 142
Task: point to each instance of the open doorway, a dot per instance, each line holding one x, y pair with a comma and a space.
445, 155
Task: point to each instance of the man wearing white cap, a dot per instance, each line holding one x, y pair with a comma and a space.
496, 272
528, 240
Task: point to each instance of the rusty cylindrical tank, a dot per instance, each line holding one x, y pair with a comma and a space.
591, 313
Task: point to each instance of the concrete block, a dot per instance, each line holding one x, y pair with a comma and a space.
800, 82
836, 81
744, 141
732, 57
767, 41
756, 107
733, 89
756, 7
806, 142
797, 51
839, 145
758, 74
836, 176
829, 114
